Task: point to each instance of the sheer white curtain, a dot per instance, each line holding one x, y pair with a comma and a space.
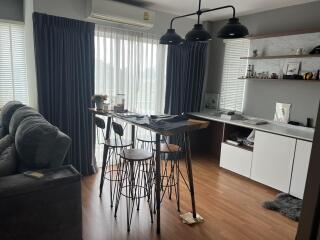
131, 63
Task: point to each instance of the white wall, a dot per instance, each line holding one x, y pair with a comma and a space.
11, 10
76, 9
261, 95
30, 58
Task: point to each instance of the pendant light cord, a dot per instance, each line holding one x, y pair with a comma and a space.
199, 11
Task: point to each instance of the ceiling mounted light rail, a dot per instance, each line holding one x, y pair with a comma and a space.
233, 29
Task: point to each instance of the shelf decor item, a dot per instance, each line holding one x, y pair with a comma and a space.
99, 100
293, 77
293, 68
255, 53
308, 76
299, 51
316, 50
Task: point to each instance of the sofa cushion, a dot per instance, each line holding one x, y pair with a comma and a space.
5, 142
34, 140
6, 114
8, 161
19, 115
39, 144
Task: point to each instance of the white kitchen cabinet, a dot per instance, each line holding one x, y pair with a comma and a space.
272, 160
300, 168
236, 159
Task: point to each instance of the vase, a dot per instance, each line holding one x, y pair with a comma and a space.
99, 105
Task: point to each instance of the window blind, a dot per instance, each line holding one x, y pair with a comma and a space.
13, 73
232, 88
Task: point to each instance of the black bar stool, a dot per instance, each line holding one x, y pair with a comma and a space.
111, 169
135, 182
170, 154
145, 139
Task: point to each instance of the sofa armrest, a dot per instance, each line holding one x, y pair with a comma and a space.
46, 208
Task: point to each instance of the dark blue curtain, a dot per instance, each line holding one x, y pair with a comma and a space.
64, 51
185, 77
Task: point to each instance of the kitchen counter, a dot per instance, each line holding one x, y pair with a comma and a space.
298, 132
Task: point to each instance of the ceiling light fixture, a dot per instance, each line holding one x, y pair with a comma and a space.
233, 29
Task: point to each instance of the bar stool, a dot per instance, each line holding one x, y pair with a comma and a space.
145, 141
135, 182
170, 172
111, 170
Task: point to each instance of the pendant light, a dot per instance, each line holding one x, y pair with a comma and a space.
171, 38
198, 33
233, 29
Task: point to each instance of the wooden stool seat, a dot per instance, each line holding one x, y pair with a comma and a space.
169, 148
116, 143
136, 154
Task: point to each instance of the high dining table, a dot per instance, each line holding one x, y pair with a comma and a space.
181, 127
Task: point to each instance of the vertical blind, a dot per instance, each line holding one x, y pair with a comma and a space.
13, 72
233, 88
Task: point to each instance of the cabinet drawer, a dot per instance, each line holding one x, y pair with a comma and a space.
300, 168
272, 160
236, 159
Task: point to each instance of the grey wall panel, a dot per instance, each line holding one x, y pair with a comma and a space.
11, 10
77, 9
261, 95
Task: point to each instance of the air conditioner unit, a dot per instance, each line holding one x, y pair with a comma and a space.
120, 13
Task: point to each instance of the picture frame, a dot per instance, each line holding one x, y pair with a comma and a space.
293, 68
212, 101
282, 112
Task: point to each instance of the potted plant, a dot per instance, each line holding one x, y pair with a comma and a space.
99, 100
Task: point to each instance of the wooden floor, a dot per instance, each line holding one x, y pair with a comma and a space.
230, 205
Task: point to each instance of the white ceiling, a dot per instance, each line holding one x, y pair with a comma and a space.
243, 7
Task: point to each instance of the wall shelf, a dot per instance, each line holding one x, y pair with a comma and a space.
275, 79
284, 34
283, 56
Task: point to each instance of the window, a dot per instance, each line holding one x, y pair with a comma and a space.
232, 88
130, 63
13, 73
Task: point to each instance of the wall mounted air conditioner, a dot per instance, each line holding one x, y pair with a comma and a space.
120, 13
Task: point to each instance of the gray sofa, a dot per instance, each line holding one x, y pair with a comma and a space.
45, 208
28, 141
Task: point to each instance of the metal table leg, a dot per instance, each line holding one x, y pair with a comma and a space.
105, 155
158, 180
190, 176
133, 135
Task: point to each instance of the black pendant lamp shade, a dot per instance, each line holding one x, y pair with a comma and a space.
233, 29
198, 34
171, 38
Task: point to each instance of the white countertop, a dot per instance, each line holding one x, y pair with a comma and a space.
298, 132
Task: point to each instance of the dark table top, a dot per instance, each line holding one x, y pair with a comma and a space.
165, 128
